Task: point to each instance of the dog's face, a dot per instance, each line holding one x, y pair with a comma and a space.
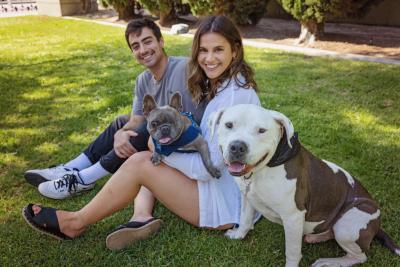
164, 123
248, 136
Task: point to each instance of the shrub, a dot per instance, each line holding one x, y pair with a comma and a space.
164, 9
124, 8
242, 12
312, 14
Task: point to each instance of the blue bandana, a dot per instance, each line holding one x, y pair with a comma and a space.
187, 137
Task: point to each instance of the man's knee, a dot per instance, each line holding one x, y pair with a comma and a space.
120, 121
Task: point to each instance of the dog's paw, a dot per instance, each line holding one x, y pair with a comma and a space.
156, 158
214, 172
235, 234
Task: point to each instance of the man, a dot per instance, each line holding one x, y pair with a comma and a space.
126, 134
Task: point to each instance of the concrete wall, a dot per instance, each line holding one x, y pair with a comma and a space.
387, 13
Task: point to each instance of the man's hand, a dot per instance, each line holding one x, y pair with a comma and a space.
122, 147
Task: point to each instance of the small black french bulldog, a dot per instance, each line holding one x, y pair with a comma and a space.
173, 131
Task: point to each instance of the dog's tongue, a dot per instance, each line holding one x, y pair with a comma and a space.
164, 140
236, 167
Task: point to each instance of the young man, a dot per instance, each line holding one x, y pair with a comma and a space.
126, 134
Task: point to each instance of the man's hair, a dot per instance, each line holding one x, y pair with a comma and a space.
136, 26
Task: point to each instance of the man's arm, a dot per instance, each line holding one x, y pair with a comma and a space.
122, 147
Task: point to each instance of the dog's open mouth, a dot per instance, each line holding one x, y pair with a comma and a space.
237, 168
165, 140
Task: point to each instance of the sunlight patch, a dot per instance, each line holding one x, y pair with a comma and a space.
35, 95
48, 148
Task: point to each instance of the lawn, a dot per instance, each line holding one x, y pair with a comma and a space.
62, 82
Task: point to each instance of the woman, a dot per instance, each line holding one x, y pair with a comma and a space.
217, 71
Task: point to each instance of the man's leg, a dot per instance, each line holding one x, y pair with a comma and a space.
109, 163
92, 154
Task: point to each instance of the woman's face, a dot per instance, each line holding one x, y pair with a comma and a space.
215, 54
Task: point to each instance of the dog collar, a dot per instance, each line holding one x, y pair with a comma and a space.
186, 137
284, 152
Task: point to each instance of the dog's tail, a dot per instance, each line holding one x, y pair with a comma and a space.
388, 242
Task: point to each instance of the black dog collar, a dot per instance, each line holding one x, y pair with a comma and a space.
284, 152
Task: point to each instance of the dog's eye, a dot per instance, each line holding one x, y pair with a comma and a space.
154, 124
262, 130
229, 125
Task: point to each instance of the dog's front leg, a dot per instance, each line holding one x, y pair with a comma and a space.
156, 158
293, 226
202, 147
247, 213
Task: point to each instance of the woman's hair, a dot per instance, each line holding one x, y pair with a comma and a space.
198, 83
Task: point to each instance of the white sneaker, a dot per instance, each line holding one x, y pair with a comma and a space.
36, 177
67, 186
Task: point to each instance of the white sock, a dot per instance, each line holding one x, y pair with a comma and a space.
80, 162
93, 173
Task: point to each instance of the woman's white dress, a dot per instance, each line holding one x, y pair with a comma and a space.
219, 199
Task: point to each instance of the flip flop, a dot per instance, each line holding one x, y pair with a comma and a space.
128, 233
45, 221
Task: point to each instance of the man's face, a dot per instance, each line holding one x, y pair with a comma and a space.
146, 49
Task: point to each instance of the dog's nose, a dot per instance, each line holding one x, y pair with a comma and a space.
238, 148
165, 130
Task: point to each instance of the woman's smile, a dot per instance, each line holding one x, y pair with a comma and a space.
215, 54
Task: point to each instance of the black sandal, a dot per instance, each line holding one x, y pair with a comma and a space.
45, 221
128, 233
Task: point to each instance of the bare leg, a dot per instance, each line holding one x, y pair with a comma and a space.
176, 191
144, 204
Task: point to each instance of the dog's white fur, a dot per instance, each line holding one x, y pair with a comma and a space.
271, 193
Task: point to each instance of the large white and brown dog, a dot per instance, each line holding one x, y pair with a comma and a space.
279, 178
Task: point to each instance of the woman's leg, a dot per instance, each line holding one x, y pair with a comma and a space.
143, 207
172, 188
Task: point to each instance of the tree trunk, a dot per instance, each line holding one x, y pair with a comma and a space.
166, 17
126, 12
310, 32
86, 6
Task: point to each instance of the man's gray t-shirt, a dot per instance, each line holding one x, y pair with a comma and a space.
173, 80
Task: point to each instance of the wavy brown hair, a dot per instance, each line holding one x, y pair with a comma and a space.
198, 83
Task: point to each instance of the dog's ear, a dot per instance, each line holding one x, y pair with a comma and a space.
176, 101
214, 119
148, 105
285, 123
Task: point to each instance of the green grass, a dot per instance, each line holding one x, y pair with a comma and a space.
62, 82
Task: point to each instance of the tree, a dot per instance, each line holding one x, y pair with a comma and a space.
124, 8
86, 6
164, 9
206, 7
313, 13
242, 12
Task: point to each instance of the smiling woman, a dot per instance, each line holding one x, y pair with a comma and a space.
217, 56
